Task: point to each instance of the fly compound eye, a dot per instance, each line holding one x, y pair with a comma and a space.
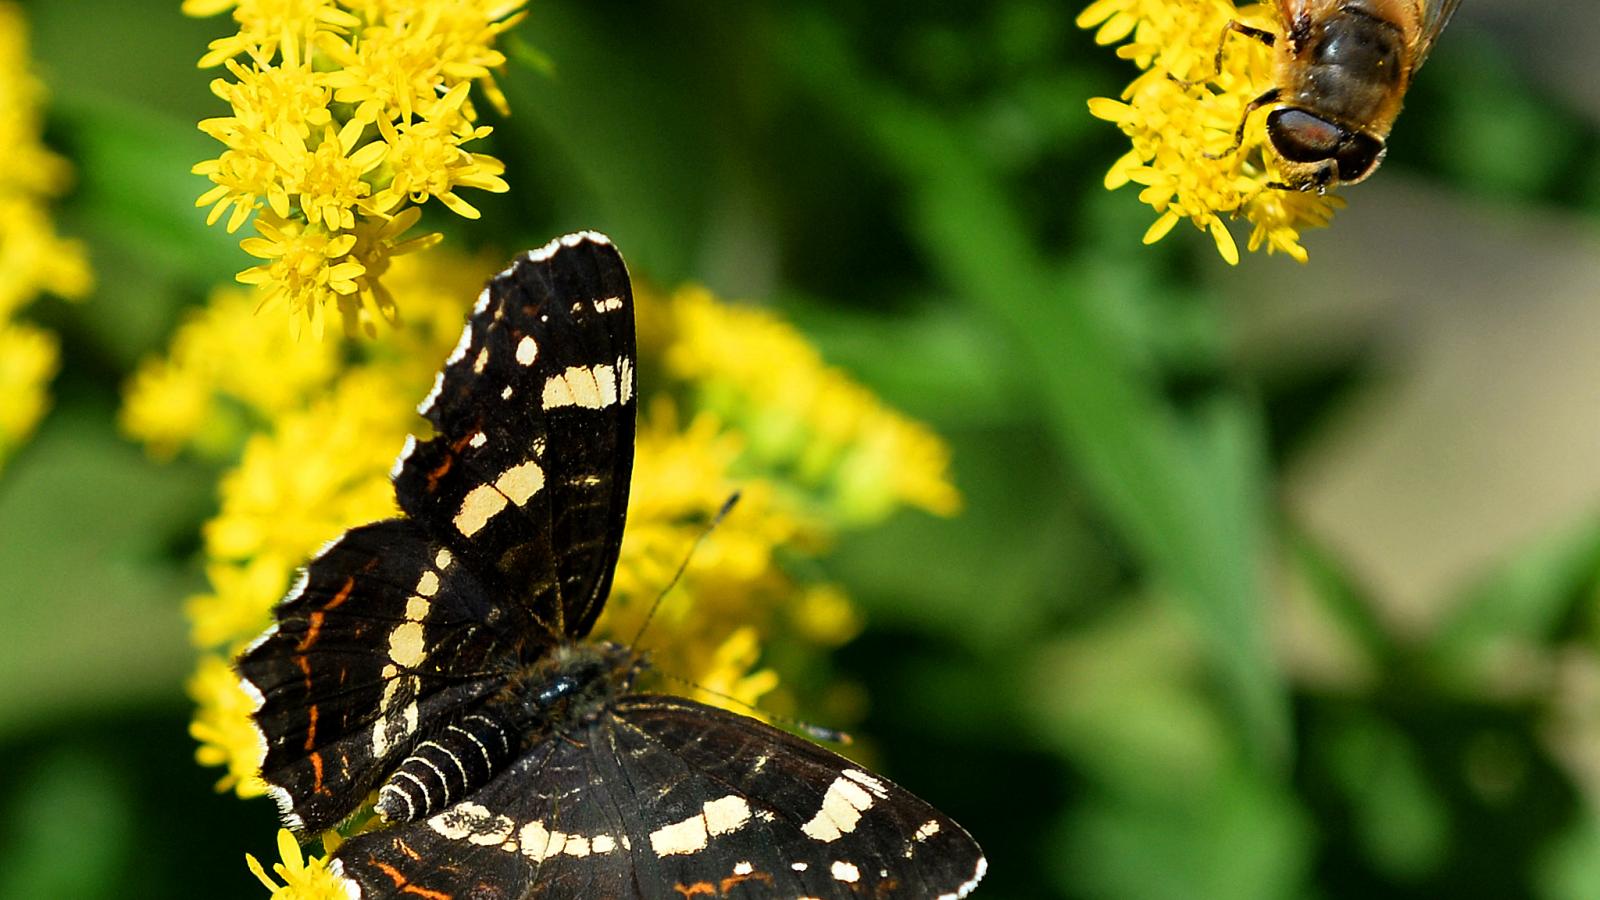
1360, 154
1299, 136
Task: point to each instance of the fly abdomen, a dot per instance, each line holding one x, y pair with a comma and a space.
446, 767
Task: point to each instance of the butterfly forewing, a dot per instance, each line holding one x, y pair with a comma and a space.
384, 630
527, 474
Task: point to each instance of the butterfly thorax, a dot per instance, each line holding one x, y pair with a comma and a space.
562, 692
568, 688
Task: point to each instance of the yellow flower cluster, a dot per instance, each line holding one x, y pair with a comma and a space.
33, 258
313, 451
1181, 114
346, 116
856, 458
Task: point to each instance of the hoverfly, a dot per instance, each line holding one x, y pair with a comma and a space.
1341, 72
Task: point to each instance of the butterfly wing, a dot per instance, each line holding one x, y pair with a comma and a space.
526, 477
662, 797
384, 630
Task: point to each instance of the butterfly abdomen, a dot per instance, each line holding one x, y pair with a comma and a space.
446, 767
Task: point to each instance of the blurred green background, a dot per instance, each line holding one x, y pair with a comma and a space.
1273, 581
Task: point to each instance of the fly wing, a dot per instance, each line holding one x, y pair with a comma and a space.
1435, 15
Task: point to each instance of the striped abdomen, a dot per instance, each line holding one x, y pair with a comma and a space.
443, 769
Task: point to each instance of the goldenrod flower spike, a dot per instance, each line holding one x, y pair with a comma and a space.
34, 259
346, 117
1181, 114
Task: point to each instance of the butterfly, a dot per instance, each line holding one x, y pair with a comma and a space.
440, 659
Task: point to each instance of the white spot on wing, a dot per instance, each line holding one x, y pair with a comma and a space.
608, 304
716, 817
405, 645
591, 387
477, 508
520, 482
478, 440
726, 815
472, 823
841, 809
527, 351
625, 378
428, 584
442, 559
743, 868
845, 872
688, 836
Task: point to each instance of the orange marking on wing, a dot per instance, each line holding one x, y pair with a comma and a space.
439, 472
305, 669
404, 885
342, 596
316, 773
696, 889
733, 881
311, 729
311, 633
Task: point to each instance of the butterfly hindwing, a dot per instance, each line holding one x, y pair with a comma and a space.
384, 630
662, 797
527, 475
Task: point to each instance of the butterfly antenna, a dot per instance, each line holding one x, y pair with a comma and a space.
815, 732
727, 507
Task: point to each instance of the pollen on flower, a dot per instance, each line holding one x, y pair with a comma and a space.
1181, 114
346, 117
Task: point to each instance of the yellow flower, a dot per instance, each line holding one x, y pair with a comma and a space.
802, 419
302, 879
318, 472
1181, 115
210, 386
240, 603
429, 161
28, 360
346, 117
223, 728
307, 266
33, 257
